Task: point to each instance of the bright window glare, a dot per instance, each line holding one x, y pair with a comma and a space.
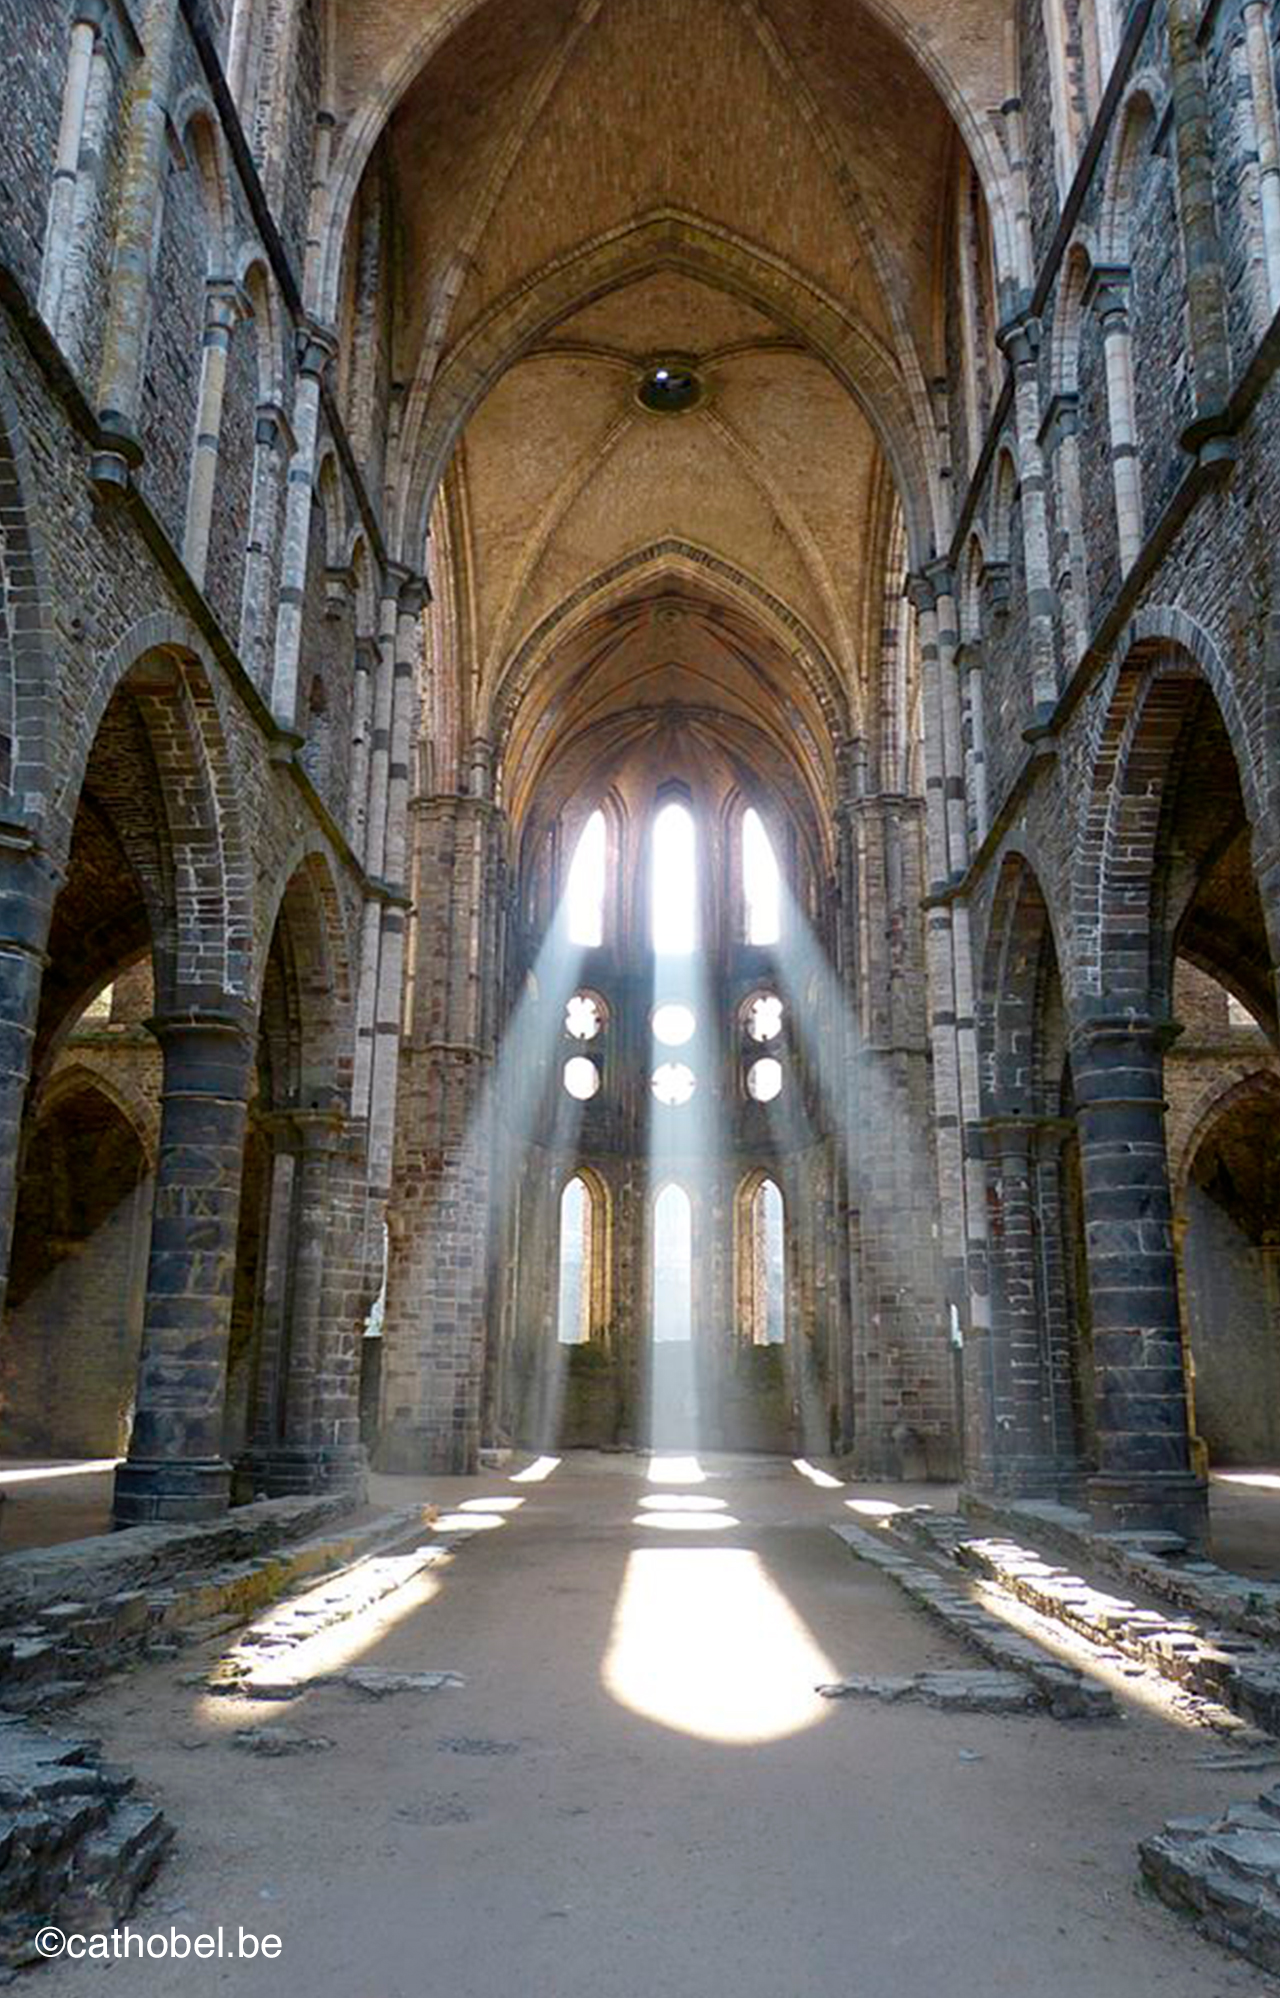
673, 1025
581, 1078
674, 1083
672, 1266
585, 891
760, 885
574, 1249
764, 1079
674, 885
764, 1017
582, 1019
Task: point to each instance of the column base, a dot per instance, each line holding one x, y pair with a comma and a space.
1151, 1502
405, 1450
303, 1471
159, 1491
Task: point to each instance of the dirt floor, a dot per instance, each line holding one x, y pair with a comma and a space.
637, 1791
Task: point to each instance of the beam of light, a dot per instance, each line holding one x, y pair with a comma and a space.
704, 1643
816, 1476
676, 1471
535, 1473
884, 1150
32, 1474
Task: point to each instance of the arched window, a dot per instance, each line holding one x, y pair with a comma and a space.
574, 1312
762, 1284
584, 894
673, 882
672, 1267
761, 883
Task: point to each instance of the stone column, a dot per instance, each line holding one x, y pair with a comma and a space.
1144, 1466
174, 1468
297, 1460
1021, 343
272, 446
1198, 215
271, 1304
1266, 123
316, 347
1060, 440
224, 304
1108, 292
128, 312
27, 889
86, 25
1018, 1443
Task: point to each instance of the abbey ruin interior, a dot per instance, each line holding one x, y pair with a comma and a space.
640, 852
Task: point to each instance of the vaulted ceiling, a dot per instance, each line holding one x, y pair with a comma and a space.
784, 170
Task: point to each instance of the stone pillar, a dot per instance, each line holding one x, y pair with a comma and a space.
1108, 292
174, 1469
1021, 343
223, 306
271, 1305
435, 1338
1018, 1445
302, 1456
1060, 439
316, 347
1198, 215
86, 25
272, 447
27, 890
128, 312
1144, 1466
1266, 124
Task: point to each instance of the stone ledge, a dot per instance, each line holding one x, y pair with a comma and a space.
1155, 1562
1217, 1665
1065, 1692
65, 1647
76, 1847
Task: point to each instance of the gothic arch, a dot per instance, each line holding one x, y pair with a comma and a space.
436, 414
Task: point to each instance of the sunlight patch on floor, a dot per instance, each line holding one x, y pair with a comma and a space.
705, 1644
816, 1476
676, 1471
687, 1522
1262, 1481
537, 1472
37, 1473
874, 1508
681, 1502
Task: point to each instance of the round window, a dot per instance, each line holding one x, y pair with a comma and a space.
673, 1025
583, 1017
673, 1083
764, 1079
581, 1078
764, 1017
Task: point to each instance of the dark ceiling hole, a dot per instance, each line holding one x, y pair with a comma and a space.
669, 388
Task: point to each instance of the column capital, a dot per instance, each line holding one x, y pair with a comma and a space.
1107, 292
1019, 339
1061, 419
273, 428
922, 591
317, 345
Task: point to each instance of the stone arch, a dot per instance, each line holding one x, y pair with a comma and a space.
306, 988
199, 876
138, 1111
1068, 317
366, 126
667, 240
196, 121
972, 570
756, 1321
1138, 121
1128, 907
1004, 494
1021, 1043
260, 289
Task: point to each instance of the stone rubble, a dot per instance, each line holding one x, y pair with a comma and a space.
1225, 1872
76, 1845
956, 1692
